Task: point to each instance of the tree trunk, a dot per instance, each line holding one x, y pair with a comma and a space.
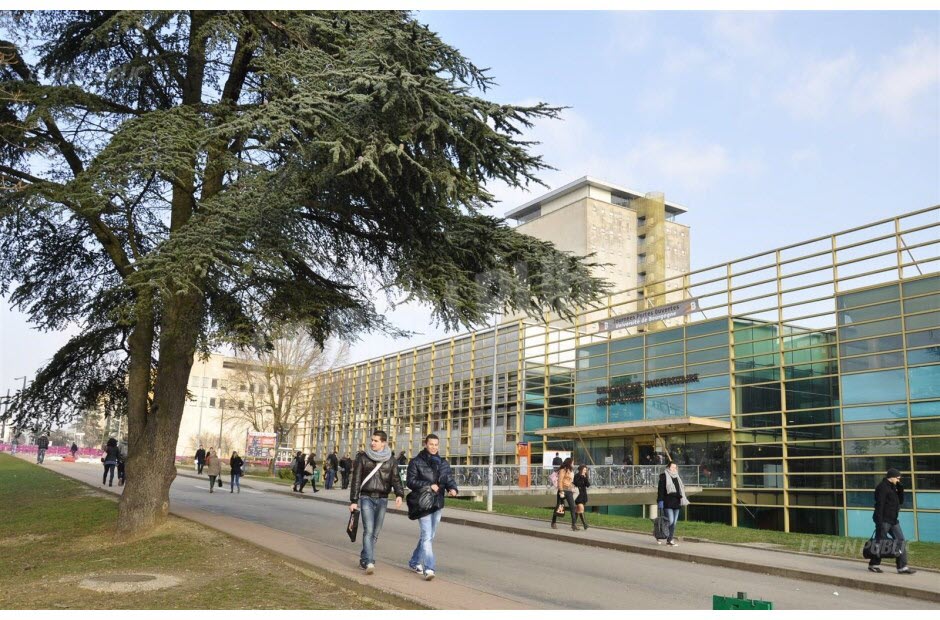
151, 467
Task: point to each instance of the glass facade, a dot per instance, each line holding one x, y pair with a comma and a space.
796, 380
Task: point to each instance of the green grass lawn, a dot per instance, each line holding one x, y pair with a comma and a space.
920, 554
55, 531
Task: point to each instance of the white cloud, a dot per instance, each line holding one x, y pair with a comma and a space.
817, 88
903, 79
901, 86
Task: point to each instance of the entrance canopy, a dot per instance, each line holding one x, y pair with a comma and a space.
636, 427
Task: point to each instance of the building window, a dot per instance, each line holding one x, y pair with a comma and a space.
215, 383
212, 403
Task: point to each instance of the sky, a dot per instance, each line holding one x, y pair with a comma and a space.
769, 127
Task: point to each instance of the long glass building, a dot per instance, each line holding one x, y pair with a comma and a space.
792, 379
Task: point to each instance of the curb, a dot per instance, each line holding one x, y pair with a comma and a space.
790, 573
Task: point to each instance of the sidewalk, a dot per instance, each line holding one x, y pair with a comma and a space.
925, 585
334, 559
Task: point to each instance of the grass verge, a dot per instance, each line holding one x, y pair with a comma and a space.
55, 531
920, 554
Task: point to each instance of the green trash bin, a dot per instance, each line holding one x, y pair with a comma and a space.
741, 601
316, 476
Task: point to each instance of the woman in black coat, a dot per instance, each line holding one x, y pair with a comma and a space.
235, 463
581, 482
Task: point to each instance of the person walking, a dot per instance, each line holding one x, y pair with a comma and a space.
200, 459
428, 474
235, 463
345, 466
889, 497
332, 464
565, 494
110, 459
671, 498
74, 450
374, 476
122, 459
297, 466
581, 483
312, 468
213, 468
42, 445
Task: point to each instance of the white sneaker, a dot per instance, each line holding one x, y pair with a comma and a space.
672, 543
659, 541
418, 569
428, 575
370, 568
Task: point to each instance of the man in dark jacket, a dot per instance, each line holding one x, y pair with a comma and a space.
345, 466
200, 459
889, 497
74, 449
42, 445
332, 465
297, 466
556, 462
374, 476
428, 473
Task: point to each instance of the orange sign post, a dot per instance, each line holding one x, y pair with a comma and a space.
524, 458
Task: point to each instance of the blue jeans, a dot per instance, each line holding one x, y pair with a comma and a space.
299, 481
673, 515
235, 478
371, 517
888, 531
424, 552
40, 455
329, 479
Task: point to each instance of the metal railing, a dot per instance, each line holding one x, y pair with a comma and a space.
601, 476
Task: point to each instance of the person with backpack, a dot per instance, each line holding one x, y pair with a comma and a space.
213, 468
42, 445
429, 478
374, 476
236, 464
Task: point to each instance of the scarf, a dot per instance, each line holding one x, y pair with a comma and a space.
671, 487
379, 457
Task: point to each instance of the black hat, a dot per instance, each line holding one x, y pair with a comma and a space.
893, 473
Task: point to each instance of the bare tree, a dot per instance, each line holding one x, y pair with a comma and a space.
270, 390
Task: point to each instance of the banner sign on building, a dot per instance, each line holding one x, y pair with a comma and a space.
260, 445
660, 313
634, 392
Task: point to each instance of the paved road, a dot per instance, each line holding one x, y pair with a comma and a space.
535, 573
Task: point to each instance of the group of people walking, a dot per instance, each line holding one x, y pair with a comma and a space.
210, 462
572, 494
375, 476
572, 497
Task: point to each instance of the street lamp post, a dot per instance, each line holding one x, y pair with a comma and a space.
8, 404
489, 482
6, 407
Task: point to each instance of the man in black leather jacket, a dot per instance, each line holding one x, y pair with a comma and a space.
371, 497
889, 497
428, 471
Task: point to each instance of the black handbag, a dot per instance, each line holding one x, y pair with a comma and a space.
881, 548
219, 480
352, 527
424, 502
